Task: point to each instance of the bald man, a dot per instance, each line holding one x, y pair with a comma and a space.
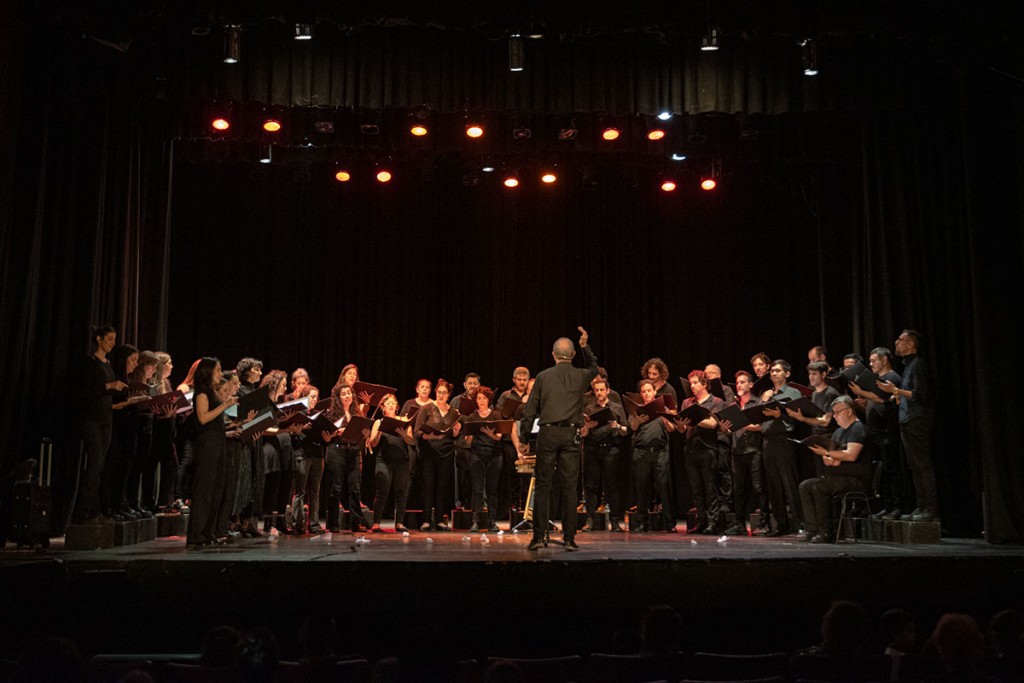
557, 401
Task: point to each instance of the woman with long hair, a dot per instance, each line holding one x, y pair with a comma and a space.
392, 464
124, 358
161, 450
278, 457
344, 462
209, 444
143, 376
248, 507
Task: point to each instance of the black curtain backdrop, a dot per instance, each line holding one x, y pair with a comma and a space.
845, 227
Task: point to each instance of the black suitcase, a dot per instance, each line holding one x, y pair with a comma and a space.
32, 502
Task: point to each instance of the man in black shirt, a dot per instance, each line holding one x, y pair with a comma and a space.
913, 396
779, 454
557, 401
508, 404
881, 417
601, 455
702, 459
651, 463
846, 469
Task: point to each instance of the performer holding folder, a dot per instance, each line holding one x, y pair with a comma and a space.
483, 432
391, 437
345, 443
437, 426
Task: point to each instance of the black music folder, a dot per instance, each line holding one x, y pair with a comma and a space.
761, 385
510, 406
376, 392
466, 405
737, 418
263, 420
391, 425
353, 434
804, 405
823, 441
258, 400
805, 391
601, 417
695, 413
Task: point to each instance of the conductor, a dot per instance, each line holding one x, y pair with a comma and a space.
557, 400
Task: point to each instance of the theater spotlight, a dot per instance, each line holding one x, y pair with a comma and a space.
419, 130
232, 44
383, 176
665, 116
511, 181
668, 186
548, 178
220, 124
266, 154
610, 134
568, 133
272, 125
655, 134
342, 175
303, 32
516, 52
809, 57
708, 184
474, 131
709, 41
488, 169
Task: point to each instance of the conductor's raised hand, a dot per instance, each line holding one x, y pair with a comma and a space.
583, 336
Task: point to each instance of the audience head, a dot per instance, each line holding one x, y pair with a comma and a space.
318, 635
220, 646
258, 656
899, 630
662, 630
1007, 629
958, 639
844, 629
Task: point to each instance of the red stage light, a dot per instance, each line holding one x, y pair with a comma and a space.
708, 184
271, 125
220, 124
656, 134
418, 131
475, 131
343, 176
668, 186
511, 182
548, 178
610, 134
383, 176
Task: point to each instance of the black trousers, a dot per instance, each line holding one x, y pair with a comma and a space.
438, 478
118, 465
723, 479
96, 442
309, 471
386, 473
345, 466
746, 483
702, 470
208, 489
651, 473
916, 437
818, 496
601, 465
229, 492
892, 487
186, 470
484, 475
780, 472
557, 448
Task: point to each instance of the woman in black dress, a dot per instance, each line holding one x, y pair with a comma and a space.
210, 470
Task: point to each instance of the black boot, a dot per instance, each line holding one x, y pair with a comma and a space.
476, 522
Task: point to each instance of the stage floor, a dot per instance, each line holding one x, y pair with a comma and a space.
463, 546
157, 596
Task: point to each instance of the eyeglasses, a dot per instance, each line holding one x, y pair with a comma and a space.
837, 411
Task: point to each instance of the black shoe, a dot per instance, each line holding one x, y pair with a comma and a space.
879, 515
640, 529
474, 527
535, 544
709, 530
803, 535
672, 530
762, 530
570, 545
818, 538
617, 526
401, 528
589, 526
777, 533
923, 516
493, 528
893, 514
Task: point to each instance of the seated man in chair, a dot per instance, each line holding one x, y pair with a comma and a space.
847, 468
